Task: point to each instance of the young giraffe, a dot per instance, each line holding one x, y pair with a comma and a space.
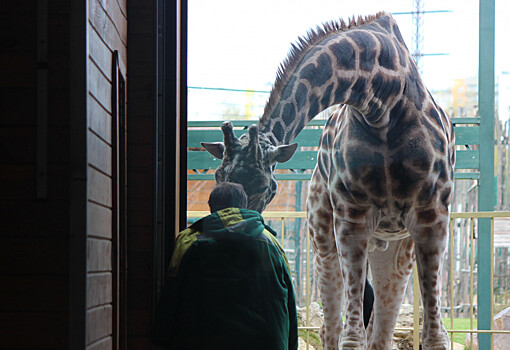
383, 180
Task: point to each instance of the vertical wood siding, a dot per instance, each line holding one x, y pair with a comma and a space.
107, 32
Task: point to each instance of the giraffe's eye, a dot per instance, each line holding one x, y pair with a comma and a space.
260, 190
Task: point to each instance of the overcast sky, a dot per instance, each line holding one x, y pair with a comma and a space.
240, 44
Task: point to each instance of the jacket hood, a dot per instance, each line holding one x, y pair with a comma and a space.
244, 221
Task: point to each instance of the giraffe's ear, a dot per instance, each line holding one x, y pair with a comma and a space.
215, 148
281, 154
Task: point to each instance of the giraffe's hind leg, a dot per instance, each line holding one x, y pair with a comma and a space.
390, 273
328, 273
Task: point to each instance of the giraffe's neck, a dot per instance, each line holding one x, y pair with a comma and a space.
365, 65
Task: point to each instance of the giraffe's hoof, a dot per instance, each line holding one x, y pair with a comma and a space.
351, 344
436, 346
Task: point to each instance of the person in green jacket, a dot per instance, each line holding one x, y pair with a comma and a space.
228, 283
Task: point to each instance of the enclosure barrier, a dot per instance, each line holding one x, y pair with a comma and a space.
416, 301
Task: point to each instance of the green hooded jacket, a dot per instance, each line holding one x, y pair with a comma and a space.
228, 287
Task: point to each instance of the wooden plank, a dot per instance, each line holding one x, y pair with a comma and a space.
99, 221
123, 7
102, 344
106, 28
17, 181
34, 256
467, 135
99, 187
475, 175
99, 255
99, 120
100, 87
99, 290
467, 159
100, 53
119, 20
34, 219
47, 330
34, 293
99, 323
21, 27
18, 7
306, 138
100, 154
21, 72
109, 13
473, 120
19, 144
300, 160
15, 110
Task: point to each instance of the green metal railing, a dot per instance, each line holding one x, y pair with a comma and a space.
467, 131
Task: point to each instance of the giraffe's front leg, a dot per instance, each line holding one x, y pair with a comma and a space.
430, 244
352, 241
330, 282
390, 273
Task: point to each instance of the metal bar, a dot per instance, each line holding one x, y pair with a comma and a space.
416, 309
471, 272
481, 214
471, 120
283, 231
307, 280
227, 89
115, 130
480, 331
492, 282
413, 12
42, 100
313, 122
451, 273
486, 190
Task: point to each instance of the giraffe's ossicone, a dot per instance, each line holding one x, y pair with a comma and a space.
384, 177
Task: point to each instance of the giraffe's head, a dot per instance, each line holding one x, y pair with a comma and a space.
250, 161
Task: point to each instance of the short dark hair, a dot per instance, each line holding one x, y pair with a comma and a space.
227, 195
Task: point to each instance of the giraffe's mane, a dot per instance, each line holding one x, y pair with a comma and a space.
301, 47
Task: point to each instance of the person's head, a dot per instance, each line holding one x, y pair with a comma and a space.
226, 195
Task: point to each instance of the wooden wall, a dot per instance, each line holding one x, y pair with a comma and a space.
33, 231
141, 143
107, 29
36, 234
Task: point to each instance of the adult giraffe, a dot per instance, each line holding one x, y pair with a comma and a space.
383, 180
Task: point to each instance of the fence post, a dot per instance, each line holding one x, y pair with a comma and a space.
486, 183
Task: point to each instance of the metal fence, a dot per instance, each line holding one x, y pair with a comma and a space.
453, 267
